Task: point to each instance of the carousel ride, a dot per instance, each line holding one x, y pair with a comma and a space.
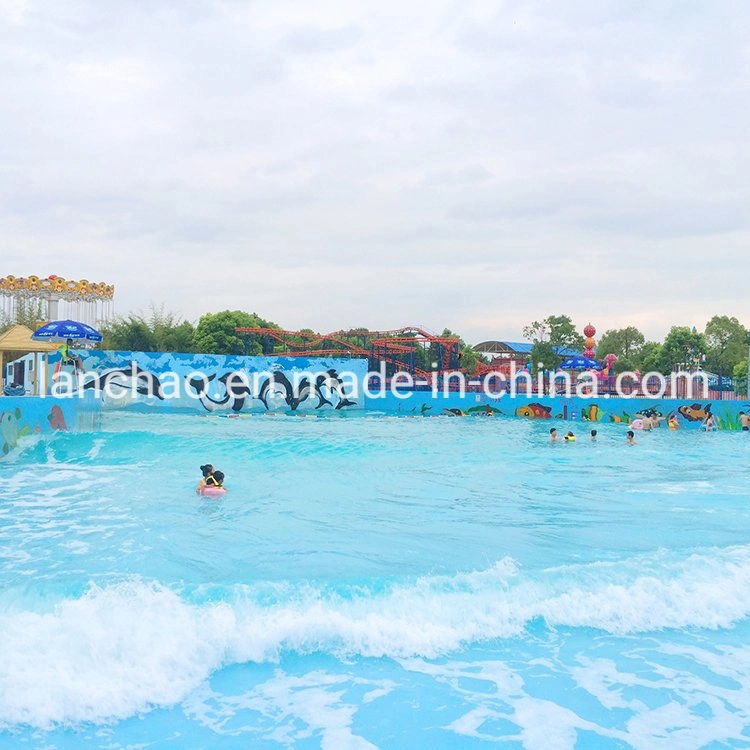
26, 303
54, 297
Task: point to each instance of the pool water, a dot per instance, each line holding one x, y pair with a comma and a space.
375, 582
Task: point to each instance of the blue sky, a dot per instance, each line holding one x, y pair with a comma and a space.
476, 165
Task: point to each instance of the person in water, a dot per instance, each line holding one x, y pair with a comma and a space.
552, 435
215, 479
593, 436
631, 437
570, 437
744, 421
207, 470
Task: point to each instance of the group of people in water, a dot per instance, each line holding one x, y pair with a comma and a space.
212, 480
650, 422
570, 437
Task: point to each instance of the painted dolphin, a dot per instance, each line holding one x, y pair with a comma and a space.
279, 383
127, 378
331, 380
236, 391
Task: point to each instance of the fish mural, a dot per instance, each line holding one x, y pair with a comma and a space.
592, 413
484, 411
10, 429
534, 411
651, 411
56, 419
695, 412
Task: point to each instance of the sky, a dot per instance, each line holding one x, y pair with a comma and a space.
472, 165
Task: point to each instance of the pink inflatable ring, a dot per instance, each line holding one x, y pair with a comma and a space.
210, 490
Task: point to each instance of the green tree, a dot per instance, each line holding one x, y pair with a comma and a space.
543, 354
129, 334
563, 334
161, 332
739, 373
682, 349
726, 344
649, 359
548, 337
626, 343
27, 312
537, 331
216, 334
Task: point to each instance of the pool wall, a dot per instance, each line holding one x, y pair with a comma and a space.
217, 383
146, 381
24, 416
689, 413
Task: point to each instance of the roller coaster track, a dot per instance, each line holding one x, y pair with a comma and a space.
384, 345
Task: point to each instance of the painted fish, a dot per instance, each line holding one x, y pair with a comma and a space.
534, 411
57, 419
695, 412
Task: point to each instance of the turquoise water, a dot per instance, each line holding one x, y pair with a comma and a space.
375, 583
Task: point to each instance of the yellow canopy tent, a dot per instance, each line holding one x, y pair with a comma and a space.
17, 340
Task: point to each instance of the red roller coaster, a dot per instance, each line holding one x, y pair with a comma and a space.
409, 349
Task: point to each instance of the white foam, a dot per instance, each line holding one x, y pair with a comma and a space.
119, 650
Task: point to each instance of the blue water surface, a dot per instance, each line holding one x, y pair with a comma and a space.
375, 582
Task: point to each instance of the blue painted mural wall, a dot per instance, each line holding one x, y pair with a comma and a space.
217, 383
688, 414
204, 383
25, 416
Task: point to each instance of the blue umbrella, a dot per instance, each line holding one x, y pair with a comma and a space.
62, 330
579, 362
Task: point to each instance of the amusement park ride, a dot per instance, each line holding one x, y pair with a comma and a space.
54, 297
410, 349
34, 301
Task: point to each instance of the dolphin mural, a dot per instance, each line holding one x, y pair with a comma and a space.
333, 383
236, 391
326, 389
131, 378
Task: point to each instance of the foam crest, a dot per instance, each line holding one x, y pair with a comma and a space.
110, 654
120, 650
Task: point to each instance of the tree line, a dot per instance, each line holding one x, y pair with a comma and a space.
721, 348
216, 333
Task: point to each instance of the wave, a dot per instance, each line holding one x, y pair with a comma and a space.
120, 649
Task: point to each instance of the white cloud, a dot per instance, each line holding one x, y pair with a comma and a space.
333, 164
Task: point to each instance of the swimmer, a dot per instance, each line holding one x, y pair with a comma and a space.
709, 424
593, 436
631, 437
744, 421
207, 470
215, 479
672, 422
552, 435
570, 437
